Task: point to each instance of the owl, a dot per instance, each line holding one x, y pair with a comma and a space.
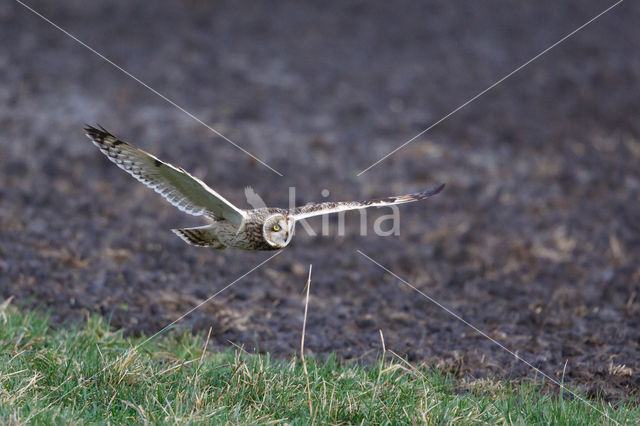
260, 228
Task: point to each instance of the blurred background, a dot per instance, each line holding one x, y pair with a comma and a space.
535, 240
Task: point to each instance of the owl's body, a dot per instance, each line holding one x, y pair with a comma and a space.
221, 233
256, 229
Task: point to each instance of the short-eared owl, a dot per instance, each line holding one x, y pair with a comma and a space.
255, 229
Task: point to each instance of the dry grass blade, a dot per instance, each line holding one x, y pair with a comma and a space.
381, 368
3, 308
137, 408
304, 328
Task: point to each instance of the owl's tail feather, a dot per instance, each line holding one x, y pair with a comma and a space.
202, 236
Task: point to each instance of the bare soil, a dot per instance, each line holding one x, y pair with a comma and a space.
535, 240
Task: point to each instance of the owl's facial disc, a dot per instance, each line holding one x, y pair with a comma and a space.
278, 230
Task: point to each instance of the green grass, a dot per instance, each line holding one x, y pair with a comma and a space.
91, 374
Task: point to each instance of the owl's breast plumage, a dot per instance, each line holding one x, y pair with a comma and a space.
250, 234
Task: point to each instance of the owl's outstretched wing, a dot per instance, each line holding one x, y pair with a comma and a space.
318, 209
184, 191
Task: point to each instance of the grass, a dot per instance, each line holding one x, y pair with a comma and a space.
91, 374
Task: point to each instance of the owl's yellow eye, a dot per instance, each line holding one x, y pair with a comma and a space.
276, 228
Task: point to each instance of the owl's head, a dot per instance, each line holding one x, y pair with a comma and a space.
278, 230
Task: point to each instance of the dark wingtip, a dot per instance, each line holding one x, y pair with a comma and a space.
436, 190
94, 132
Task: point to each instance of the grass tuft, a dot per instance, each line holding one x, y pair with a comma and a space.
88, 373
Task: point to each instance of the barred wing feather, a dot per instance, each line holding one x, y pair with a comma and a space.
317, 209
184, 191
